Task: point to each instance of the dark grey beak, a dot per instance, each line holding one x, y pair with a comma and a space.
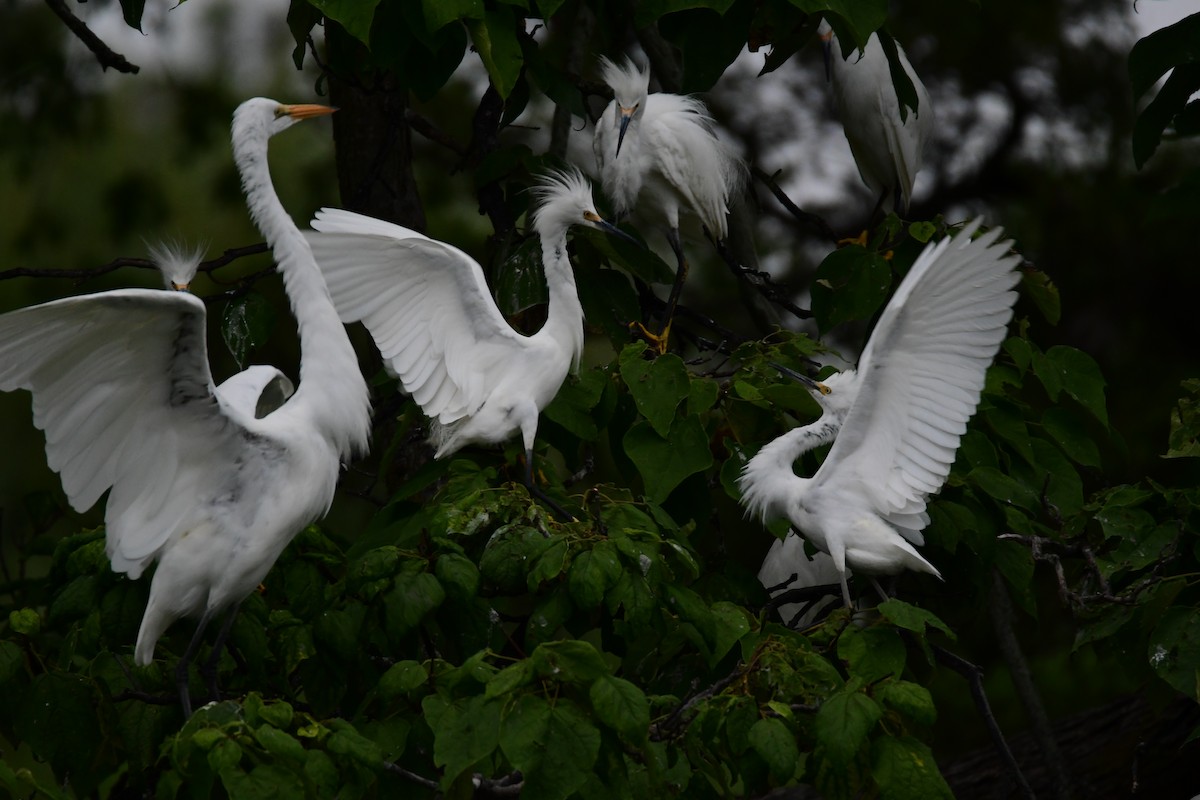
808, 382
626, 116
608, 227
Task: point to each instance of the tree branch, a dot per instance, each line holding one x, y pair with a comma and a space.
800, 214
81, 275
974, 675
104, 54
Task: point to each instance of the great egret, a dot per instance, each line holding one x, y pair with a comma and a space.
887, 149
258, 389
428, 308
121, 385
901, 415
660, 152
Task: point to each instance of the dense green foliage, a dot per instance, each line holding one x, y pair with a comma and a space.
460, 639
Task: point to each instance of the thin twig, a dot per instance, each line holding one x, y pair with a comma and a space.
800, 214
104, 54
763, 283
82, 275
668, 726
410, 776
424, 126
974, 676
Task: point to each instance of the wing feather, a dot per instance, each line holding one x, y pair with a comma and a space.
425, 303
922, 374
121, 386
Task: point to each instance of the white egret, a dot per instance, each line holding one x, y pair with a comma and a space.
887, 149
917, 384
429, 310
660, 152
258, 389
121, 385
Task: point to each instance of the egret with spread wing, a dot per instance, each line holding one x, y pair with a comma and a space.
431, 314
258, 389
661, 152
887, 148
901, 414
121, 385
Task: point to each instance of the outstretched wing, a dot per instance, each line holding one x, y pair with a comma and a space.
921, 376
424, 302
122, 388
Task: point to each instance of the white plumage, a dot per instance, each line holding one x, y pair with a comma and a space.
121, 386
887, 149
901, 416
429, 310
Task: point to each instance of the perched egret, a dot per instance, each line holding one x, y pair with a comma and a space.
258, 389
901, 415
428, 308
660, 152
121, 385
887, 149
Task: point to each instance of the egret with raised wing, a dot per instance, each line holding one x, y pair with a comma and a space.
901, 414
429, 310
660, 152
121, 385
887, 147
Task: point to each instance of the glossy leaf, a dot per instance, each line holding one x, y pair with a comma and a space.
664, 462
353, 15
843, 722
851, 283
495, 39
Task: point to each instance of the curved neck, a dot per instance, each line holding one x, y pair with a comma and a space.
564, 313
769, 481
332, 395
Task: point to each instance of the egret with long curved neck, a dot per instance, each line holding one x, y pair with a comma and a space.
121, 385
901, 415
430, 312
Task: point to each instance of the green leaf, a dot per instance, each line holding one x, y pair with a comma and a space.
922, 231
905, 769
859, 18
656, 386
640, 261
554, 747
850, 284
508, 552
1004, 488
573, 406
25, 621
458, 574
1072, 436
246, 324
1155, 55
776, 745
1079, 376
872, 653
281, 744
401, 678
843, 722
353, 15
511, 677
12, 662
1184, 440
592, 574
1037, 285
621, 706
413, 597
440, 13
466, 735
906, 93
664, 463
132, 11
912, 618
569, 660
349, 743
495, 39
910, 699
520, 280
732, 623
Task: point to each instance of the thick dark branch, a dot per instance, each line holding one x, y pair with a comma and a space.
668, 727
800, 214
974, 676
104, 54
420, 780
762, 283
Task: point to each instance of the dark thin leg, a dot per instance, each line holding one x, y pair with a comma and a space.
681, 271
883, 595
208, 670
535, 491
181, 669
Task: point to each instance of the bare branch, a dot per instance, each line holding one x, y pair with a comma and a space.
82, 275
104, 54
424, 126
800, 214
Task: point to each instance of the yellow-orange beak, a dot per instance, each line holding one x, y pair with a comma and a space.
307, 110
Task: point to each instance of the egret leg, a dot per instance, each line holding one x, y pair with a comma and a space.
879, 588
845, 591
659, 340
535, 491
181, 669
208, 670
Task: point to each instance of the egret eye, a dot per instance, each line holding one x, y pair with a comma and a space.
823, 389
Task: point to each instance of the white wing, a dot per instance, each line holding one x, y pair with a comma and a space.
679, 134
255, 391
122, 388
921, 376
425, 303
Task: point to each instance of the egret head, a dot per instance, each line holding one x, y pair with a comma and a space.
838, 392
176, 262
631, 85
273, 116
565, 199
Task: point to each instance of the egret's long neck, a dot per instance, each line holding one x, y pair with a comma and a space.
332, 394
564, 313
769, 480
